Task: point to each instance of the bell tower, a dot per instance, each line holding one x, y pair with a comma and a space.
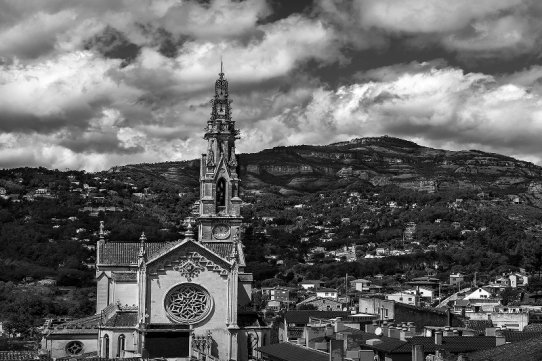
219, 205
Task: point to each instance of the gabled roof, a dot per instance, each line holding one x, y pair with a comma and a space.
122, 319
188, 242
286, 351
302, 316
85, 325
126, 253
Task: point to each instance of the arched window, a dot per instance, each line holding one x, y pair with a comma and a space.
106, 346
249, 345
120, 346
221, 193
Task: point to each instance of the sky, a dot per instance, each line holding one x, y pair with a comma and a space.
94, 84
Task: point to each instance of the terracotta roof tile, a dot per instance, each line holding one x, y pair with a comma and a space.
126, 253
528, 350
289, 352
122, 319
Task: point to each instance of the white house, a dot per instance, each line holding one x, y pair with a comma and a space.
361, 284
310, 284
404, 297
478, 294
327, 293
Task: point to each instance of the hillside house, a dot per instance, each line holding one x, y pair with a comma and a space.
403, 297
477, 294
456, 279
327, 293
361, 285
385, 309
322, 303
310, 284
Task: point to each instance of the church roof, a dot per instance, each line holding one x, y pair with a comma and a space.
85, 325
122, 319
126, 253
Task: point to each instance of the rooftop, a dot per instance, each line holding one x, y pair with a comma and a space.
286, 351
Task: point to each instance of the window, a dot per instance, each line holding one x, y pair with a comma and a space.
188, 303
221, 193
74, 348
106, 346
120, 346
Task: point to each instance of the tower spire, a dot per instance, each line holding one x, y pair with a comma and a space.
219, 204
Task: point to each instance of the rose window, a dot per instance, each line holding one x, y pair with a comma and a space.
74, 347
188, 303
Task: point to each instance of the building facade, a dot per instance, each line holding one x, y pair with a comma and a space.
182, 299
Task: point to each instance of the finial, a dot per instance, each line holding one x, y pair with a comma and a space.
221, 71
101, 233
142, 245
189, 234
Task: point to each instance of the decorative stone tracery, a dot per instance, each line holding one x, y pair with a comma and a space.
74, 348
188, 303
190, 264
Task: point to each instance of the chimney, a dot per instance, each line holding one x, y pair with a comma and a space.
339, 325
438, 337
491, 331
370, 328
500, 340
417, 353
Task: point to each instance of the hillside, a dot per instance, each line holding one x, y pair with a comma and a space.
380, 161
364, 207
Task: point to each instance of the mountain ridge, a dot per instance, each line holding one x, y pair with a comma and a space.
380, 161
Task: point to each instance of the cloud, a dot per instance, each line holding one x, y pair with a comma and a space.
434, 106
468, 30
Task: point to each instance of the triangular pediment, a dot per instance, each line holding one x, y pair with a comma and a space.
189, 258
222, 169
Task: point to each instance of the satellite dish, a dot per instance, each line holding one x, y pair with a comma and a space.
378, 331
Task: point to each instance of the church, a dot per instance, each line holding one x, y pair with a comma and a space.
178, 300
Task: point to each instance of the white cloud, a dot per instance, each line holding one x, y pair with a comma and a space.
438, 106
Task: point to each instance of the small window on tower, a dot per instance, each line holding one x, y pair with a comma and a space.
221, 193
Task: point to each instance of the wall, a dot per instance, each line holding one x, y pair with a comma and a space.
126, 293
374, 306
512, 321
58, 346
102, 292
216, 285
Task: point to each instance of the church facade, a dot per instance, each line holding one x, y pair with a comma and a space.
176, 300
